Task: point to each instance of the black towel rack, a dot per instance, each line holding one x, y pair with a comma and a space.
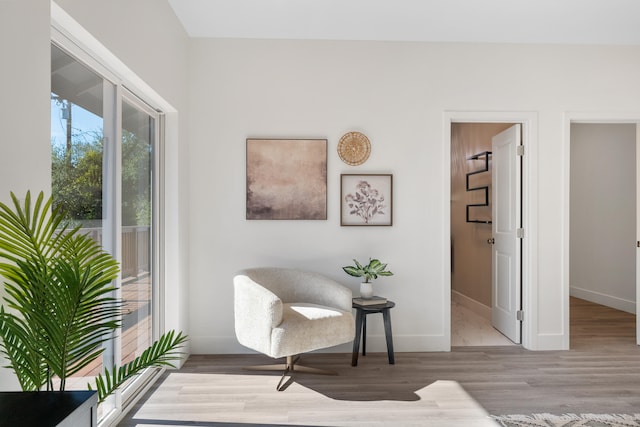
485, 155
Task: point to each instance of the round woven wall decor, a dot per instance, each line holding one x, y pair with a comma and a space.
354, 148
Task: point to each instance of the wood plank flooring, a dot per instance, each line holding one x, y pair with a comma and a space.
600, 374
469, 328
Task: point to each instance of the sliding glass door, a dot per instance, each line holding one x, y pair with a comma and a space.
139, 134
104, 142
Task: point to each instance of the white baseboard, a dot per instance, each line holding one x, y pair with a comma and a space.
217, 345
471, 304
603, 299
408, 343
548, 342
375, 343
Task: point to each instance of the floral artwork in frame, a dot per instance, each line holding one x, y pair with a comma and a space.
366, 199
286, 179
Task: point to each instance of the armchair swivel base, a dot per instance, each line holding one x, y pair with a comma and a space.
289, 367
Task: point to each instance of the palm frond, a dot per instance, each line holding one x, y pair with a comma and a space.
16, 345
59, 283
86, 312
161, 353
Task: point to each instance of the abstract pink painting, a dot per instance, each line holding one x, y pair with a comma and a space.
287, 179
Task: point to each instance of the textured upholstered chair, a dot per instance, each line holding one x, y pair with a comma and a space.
285, 312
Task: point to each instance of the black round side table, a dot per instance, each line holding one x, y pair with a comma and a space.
361, 328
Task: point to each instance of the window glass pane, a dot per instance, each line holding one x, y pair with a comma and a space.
137, 220
77, 156
76, 139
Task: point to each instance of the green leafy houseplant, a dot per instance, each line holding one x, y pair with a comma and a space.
59, 307
370, 271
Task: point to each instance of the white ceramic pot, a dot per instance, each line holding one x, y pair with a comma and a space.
366, 290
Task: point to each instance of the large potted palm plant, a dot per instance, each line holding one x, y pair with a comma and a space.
58, 307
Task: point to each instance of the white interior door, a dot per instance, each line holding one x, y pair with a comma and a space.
506, 216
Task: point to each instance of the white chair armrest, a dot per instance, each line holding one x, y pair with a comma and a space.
257, 311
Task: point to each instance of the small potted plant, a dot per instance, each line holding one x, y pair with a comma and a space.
370, 271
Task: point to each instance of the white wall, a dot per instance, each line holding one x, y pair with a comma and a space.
145, 35
603, 214
25, 163
396, 93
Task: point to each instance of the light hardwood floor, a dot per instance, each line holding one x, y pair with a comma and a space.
471, 329
600, 374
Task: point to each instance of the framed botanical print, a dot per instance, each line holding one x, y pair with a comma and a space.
366, 199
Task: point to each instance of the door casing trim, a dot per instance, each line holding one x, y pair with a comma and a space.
529, 121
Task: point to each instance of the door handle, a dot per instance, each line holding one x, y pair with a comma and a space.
491, 241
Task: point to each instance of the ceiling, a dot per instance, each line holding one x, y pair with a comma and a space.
488, 21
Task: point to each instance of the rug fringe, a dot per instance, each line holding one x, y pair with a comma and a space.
569, 420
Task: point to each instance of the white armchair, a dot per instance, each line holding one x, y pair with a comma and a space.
284, 312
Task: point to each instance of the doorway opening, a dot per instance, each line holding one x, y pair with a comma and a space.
602, 234
474, 293
528, 316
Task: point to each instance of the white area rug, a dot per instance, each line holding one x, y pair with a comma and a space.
569, 420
